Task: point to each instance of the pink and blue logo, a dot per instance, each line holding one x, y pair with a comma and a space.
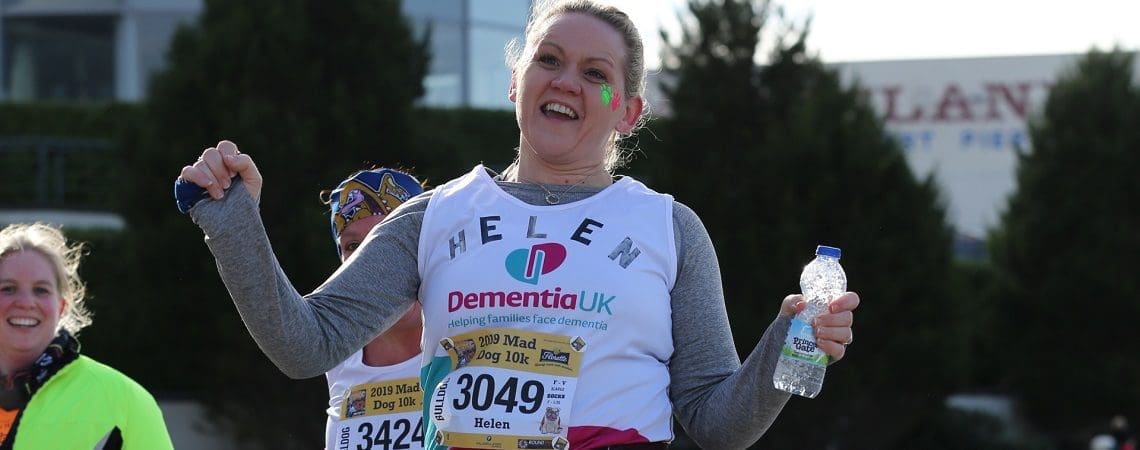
529, 264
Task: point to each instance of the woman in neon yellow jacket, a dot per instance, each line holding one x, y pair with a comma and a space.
52, 396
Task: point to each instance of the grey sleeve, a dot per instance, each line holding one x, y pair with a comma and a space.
707, 378
304, 336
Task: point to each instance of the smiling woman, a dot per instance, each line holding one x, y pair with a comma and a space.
46, 381
544, 287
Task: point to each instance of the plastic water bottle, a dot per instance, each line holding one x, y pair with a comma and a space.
802, 364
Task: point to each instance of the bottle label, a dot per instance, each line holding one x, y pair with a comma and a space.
800, 344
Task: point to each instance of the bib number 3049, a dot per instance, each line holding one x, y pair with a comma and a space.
480, 393
490, 401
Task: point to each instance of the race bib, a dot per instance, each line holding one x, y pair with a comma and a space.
381, 415
509, 389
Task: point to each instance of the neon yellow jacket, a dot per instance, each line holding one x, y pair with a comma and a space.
83, 404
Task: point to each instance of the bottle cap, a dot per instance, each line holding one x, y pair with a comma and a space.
824, 250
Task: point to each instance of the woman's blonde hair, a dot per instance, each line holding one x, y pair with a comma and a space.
64, 257
634, 76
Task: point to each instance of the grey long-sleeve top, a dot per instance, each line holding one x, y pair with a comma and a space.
722, 403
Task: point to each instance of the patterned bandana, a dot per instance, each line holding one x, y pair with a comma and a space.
369, 192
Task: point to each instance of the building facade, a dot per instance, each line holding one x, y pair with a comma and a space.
100, 50
468, 65
85, 49
963, 121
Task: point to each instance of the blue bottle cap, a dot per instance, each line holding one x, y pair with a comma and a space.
824, 250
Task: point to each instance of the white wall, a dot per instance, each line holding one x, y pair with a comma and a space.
961, 119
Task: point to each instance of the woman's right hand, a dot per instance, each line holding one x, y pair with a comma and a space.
215, 170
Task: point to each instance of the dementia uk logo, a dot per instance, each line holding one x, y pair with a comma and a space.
528, 265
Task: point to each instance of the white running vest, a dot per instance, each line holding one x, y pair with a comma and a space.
546, 324
383, 408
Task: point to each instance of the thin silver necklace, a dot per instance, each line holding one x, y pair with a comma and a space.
552, 198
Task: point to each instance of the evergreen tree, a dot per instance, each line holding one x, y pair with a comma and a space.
844, 180
714, 92
1065, 250
310, 89
780, 158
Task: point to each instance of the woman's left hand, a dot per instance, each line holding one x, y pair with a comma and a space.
833, 329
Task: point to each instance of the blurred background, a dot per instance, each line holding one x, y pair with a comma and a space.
976, 162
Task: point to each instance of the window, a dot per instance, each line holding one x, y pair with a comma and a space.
490, 77
59, 57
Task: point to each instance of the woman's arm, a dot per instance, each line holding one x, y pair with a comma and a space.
303, 336
721, 403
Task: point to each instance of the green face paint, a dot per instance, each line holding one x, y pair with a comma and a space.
608, 97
